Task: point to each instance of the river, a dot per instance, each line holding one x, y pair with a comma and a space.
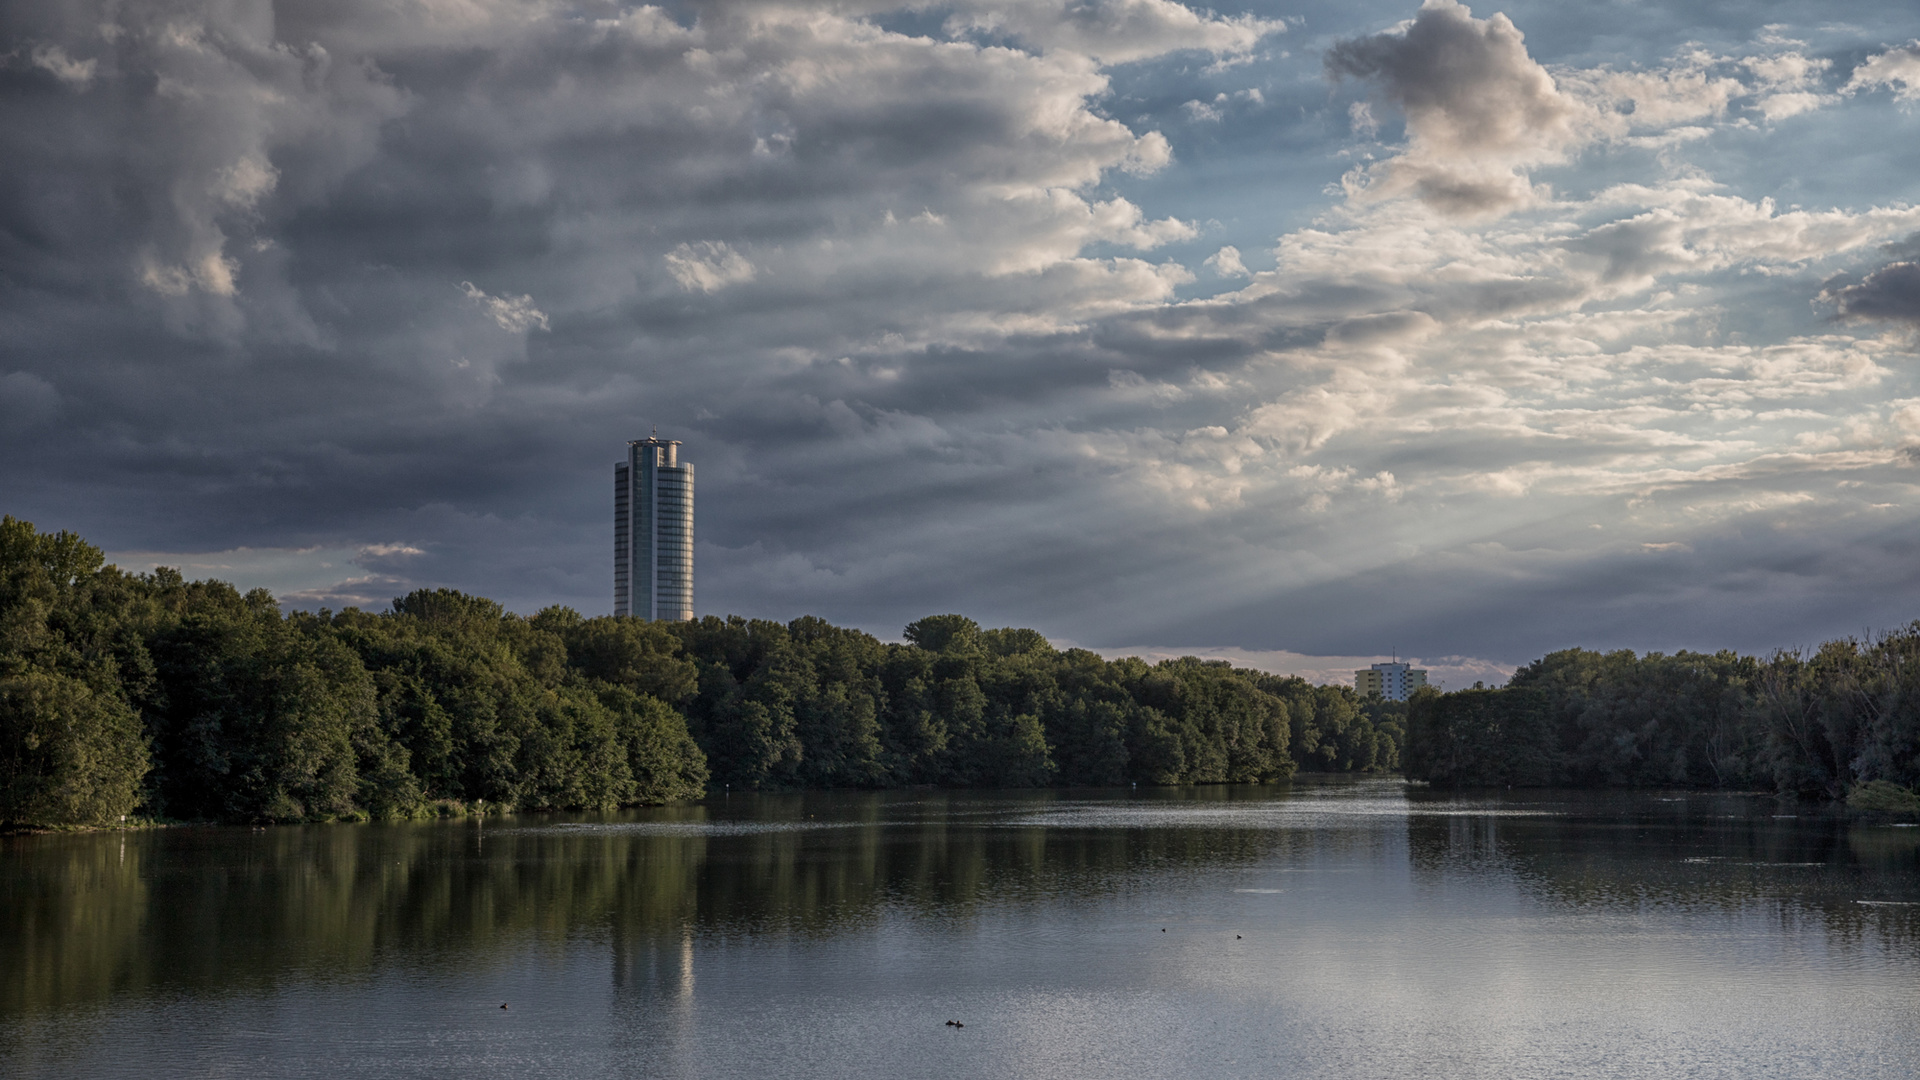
1326, 929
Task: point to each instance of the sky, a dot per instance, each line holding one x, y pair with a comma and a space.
1301, 334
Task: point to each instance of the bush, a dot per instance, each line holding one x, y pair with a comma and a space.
1885, 796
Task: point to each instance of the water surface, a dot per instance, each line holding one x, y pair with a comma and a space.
1338, 930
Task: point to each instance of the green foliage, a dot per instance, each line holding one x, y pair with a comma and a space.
664, 761
1884, 796
68, 755
947, 634
810, 705
1844, 719
71, 748
1847, 714
254, 720
552, 712
625, 652
188, 700
1647, 721
1482, 737
123, 693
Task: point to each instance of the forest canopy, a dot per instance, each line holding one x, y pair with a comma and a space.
147, 695
1840, 722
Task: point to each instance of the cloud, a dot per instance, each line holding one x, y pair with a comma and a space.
514, 314
1201, 112
1482, 114
27, 402
1226, 262
913, 286
1687, 230
335, 576
1445, 672
1478, 109
708, 267
1360, 118
1692, 87
1896, 69
1211, 112
1788, 83
211, 272
77, 74
245, 182
1112, 31
1891, 293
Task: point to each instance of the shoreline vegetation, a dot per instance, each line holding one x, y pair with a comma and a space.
129, 700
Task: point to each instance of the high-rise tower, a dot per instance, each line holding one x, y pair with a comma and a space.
653, 532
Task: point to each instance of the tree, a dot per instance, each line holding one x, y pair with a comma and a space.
69, 755
255, 721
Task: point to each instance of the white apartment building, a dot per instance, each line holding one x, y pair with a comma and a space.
1395, 681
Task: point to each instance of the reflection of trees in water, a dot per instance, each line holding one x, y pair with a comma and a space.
210, 909
85, 917
72, 913
1709, 854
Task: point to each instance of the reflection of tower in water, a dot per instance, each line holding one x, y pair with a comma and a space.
1438, 844
658, 965
686, 964
653, 983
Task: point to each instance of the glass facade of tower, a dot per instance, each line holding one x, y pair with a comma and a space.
653, 532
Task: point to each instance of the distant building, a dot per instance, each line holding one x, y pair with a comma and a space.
653, 532
1395, 682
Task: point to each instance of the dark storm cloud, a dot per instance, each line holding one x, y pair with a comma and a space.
389, 284
274, 258
1890, 293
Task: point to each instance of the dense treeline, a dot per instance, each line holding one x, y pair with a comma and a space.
1843, 722
145, 694
811, 705
149, 695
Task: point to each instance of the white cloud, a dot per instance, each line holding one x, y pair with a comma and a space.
245, 182
1112, 31
1361, 119
1483, 115
1793, 103
210, 271
1691, 87
1897, 69
708, 266
77, 74
1789, 83
1201, 112
1226, 262
514, 314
